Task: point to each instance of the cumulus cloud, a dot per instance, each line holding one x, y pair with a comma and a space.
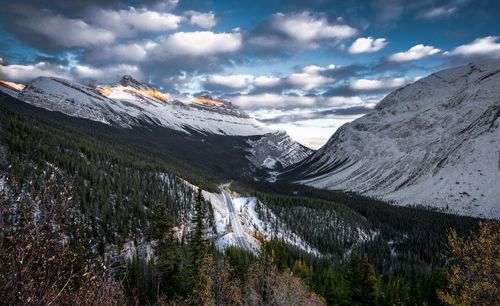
342, 101
367, 45
235, 81
203, 20
306, 78
289, 101
485, 46
305, 28
267, 81
26, 73
242, 81
276, 116
414, 53
128, 22
68, 32
199, 43
383, 83
133, 51
310, 77
272, 100
301, 30
107, 73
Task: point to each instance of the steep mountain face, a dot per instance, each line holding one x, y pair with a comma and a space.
435, 142
74, 100
276, 151
134, 106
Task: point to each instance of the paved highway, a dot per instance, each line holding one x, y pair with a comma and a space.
239, 234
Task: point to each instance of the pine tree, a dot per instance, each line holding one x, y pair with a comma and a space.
168, 255
198, 244
198, 253
368, 283
353, 276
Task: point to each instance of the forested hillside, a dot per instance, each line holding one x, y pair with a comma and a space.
124, 224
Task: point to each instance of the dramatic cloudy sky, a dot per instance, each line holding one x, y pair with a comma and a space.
303, 66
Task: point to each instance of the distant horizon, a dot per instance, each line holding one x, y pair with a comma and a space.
291, 65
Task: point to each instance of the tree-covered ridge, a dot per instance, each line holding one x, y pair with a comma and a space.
330, 227
115, 189
397, 240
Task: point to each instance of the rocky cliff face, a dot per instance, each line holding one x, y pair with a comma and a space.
275, 151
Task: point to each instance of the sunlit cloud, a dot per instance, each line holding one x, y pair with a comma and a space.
414, 53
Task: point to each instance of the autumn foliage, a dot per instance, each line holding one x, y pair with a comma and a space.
474, 278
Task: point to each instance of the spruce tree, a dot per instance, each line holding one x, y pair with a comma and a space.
198, 252
168, 255
368, 283
353, 276
198, 245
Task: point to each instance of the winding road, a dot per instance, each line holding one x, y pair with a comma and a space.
239, 234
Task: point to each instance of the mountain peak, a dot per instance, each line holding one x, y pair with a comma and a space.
218, 105
129, 81
128, 85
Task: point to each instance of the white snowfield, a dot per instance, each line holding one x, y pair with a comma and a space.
127, 108
435, 142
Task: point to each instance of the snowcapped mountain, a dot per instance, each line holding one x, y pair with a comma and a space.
276, 151
131, 103
435, 142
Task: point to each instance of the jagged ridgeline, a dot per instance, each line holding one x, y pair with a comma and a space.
114, 188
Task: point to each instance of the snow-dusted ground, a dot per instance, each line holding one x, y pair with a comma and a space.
249, 221
435, 142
